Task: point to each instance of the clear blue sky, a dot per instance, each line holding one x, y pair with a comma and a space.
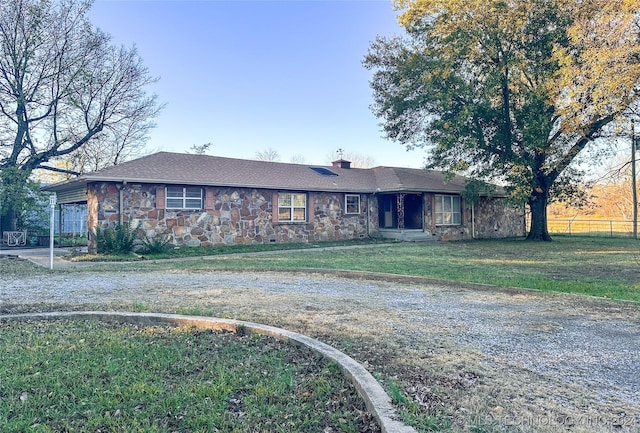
253, 75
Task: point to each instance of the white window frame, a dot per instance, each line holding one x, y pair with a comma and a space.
347, 204
448, 210
184, 199
287, 202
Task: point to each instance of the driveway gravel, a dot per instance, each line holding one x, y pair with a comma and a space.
472, 357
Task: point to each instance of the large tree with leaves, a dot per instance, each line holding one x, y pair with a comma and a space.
65, 88
512, 91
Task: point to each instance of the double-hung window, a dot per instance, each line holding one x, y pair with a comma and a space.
184, 197
448, 212
352, 203
292, 207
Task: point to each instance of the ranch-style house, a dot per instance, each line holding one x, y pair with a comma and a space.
210, 200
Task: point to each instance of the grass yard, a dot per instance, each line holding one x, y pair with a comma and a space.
87, 376
594, 266
602, 267
456, 389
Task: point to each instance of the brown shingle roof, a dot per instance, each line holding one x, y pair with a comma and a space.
188, 169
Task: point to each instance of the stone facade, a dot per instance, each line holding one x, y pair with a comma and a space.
240, 216
232, 216
489, 218
495, 219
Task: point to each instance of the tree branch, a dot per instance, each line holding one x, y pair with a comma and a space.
58, 170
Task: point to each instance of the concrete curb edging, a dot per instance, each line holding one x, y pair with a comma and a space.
374, 396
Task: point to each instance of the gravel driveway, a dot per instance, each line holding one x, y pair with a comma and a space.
502, 360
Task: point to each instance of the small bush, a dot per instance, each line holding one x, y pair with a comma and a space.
154, 245
117, 240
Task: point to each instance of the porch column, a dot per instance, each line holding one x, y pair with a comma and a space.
400, 202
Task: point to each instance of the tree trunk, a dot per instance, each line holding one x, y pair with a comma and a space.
538, 205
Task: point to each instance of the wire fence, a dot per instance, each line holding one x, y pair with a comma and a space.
591, 227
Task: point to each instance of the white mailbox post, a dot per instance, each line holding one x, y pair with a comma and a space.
52, 205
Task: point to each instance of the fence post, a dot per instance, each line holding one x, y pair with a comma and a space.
611, 228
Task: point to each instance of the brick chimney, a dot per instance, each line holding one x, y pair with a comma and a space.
341, 163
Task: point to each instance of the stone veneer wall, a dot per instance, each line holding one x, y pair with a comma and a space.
244, 216
445, 233
236, 216
494, 219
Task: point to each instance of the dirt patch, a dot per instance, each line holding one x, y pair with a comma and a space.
476, 360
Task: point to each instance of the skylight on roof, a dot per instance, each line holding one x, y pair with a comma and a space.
324, 171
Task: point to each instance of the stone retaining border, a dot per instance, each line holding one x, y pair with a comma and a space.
374, 396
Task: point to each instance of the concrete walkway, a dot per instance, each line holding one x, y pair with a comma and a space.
39, 256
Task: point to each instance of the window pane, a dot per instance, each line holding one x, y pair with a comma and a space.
173, 191
456, 217
353, 204
299, 200
174, 203
191, 203
298, 214
193, 192
439, 203
284, 214
448, 210
292, 207
284, 199
447, 204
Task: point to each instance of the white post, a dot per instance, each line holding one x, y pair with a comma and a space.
52, 205
634, 187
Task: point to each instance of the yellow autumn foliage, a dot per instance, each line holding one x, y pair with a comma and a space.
598, 64
600, 69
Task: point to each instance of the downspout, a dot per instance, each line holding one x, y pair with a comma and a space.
60, 223
473, 220
368, 216
121, 202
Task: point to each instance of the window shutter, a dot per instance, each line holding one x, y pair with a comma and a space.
274, 208
209, 199
311, 208
161, 197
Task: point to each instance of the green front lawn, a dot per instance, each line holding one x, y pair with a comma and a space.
592, 266
86, 376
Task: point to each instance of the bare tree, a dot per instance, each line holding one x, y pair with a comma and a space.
298, 158
268, 155
66, 91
